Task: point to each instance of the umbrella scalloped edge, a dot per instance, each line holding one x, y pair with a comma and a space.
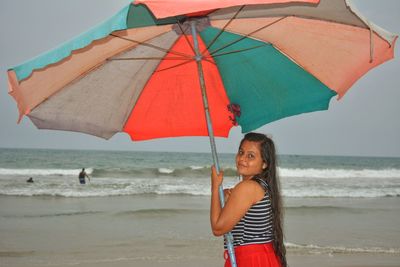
116, 22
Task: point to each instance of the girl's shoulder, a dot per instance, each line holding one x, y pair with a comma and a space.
251, 188
248, 184
262, 183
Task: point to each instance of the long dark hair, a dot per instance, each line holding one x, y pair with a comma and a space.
269, 174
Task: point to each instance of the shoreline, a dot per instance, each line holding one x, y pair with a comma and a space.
173, 230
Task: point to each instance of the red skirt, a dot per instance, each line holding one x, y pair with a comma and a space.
258, 255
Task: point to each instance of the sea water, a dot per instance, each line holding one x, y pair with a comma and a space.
116, 173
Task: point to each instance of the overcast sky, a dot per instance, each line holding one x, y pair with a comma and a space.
365, 122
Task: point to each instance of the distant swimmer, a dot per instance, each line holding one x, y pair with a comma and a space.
30, 180
82, 176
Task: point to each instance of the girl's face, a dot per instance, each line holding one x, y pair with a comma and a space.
249, 161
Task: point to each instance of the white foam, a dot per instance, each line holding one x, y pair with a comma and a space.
315, 249
338, 173
68, 186
43, 172
196, 167
165, 170
345, 193
283, 172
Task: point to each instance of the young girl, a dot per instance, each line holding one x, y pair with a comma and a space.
252, 208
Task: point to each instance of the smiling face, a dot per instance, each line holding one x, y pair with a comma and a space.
249, 161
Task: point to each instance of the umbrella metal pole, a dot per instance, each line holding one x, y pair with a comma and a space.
198, 57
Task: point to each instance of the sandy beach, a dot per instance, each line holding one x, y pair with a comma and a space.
173, 230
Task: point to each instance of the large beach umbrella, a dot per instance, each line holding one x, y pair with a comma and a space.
196, 68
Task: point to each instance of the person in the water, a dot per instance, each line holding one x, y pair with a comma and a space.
82, 176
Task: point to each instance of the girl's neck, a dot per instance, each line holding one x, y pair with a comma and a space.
244, 178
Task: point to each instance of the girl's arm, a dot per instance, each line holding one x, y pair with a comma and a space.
243, 196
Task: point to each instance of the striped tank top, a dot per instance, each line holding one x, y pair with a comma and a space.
256, 226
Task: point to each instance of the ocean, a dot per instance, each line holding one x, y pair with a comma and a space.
151, 209
129, 173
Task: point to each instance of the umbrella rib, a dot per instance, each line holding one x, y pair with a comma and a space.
158, 58
208, 60
154, 46
147, 58
247, 35
177, 65
240, 50
187, 39
222, 30
183, 63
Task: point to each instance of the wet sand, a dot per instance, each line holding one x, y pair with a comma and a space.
173, 230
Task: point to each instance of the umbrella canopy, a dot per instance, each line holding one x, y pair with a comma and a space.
262, 60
